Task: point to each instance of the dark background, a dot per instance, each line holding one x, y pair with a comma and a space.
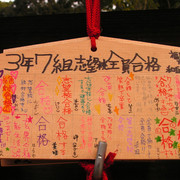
157, 26
122, 170
160, 26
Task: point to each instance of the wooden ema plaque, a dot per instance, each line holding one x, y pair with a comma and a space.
59, 99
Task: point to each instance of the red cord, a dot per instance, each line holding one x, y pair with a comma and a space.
89, 168
93, 21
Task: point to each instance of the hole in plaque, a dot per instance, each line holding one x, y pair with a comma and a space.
94, 49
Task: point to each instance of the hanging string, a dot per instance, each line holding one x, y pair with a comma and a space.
93, 10
89, 168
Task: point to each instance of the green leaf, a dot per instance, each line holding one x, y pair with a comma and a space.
174, 119
158, 139
175, 144
157, 120
7, 149
172, 132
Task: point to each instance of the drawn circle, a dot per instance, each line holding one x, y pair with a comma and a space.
158, 131
173, 125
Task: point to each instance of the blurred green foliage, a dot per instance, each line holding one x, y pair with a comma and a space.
42, 7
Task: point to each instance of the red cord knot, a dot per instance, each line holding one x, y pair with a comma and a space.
89, 168
93, 21
94, 32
